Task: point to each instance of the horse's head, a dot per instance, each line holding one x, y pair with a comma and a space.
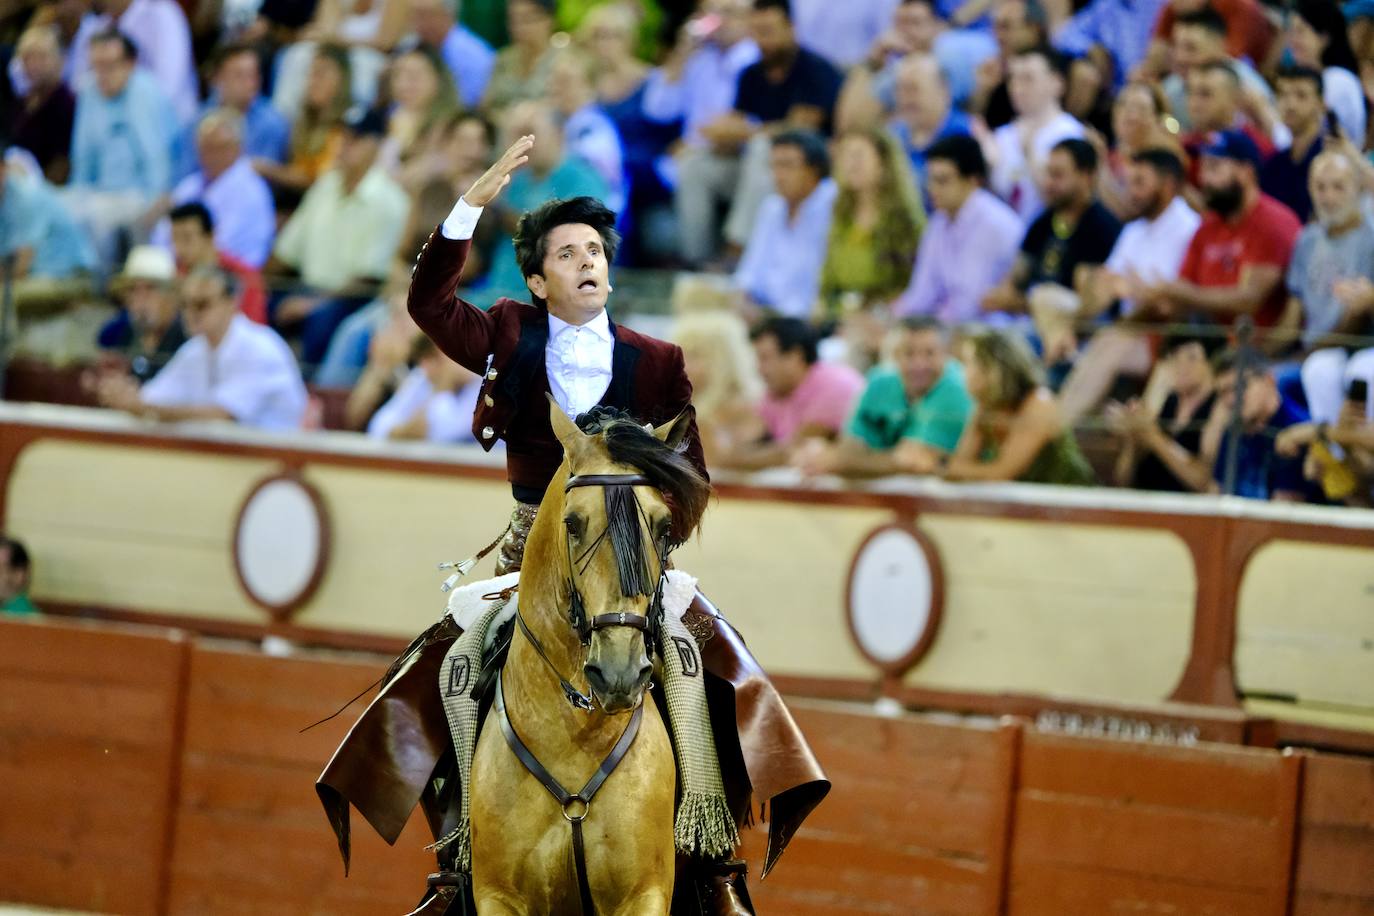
626, 496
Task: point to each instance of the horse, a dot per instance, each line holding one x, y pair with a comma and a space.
573, 794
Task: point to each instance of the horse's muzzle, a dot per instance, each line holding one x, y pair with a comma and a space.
618, 690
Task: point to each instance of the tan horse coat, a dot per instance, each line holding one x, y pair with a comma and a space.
521, 844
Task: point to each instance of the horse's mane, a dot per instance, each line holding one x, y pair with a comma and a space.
669, 470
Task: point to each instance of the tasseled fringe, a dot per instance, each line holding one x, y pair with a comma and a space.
704, 827
460, 838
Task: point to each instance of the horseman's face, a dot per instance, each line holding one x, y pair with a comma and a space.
575, 280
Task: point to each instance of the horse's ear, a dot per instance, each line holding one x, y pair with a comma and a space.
675, 430
563, 428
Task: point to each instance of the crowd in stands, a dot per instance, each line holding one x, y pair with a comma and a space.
974, 239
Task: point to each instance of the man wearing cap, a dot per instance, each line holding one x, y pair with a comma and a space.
146, 333
231, 368
1236, 261
340, 241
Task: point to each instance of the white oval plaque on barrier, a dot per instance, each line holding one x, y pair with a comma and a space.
281, 543
895, 595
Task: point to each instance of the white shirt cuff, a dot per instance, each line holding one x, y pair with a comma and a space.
461, 222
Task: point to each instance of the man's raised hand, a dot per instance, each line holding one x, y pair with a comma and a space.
485, 189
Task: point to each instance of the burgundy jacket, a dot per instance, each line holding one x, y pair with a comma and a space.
505, 345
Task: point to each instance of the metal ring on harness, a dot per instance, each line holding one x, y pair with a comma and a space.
572, 801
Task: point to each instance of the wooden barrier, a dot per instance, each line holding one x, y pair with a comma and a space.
1335, 874
251, 836
89, 742
1111, 826
1055, 598
144, 773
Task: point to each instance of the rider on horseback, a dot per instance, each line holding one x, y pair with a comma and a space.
565, 347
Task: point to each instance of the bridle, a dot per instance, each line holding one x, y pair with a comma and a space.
577, 611
577, 805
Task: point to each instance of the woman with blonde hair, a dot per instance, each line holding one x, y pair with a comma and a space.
318, 129
425, 99
876, 226
725, 384
1016, 431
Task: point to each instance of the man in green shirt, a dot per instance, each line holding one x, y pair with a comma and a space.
14, 578
910, 415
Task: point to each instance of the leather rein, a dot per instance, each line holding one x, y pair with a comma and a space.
575, 806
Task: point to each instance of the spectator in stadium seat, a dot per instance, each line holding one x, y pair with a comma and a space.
1018, 152
781, 266
1199, 40
369, 354
726, 387
231, 368
1178, 423
1110, 36
1149, 249
1246, 33
50, 260
238, 198
147, 332
1074, 234
909, 414
1016, 431
193, 245
1339, 455
804, 398
1262, 471
317, 132
434, 402
1017, 25
1236, 261
521, 71
1318, 38
1139, 112
587, 132
16, 576
1331, 282
925, 113
787, 88
121, 144
160, 39
43, 118
435, 181
970, 243
236, 85
917, 30
875, 226
468, 58
424, 100
697, 83
341, 240
1284, 174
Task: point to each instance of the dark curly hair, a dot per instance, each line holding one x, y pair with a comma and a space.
532, 233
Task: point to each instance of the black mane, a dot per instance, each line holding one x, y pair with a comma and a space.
668, 469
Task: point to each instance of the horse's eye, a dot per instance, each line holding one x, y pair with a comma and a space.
663, 531
576, 525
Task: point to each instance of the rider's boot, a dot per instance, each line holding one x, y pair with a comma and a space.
721, 889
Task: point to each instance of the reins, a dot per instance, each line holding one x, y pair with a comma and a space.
576, 806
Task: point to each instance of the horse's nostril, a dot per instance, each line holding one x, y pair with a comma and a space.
644, 674
596, 678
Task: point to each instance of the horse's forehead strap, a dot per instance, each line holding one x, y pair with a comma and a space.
607, 480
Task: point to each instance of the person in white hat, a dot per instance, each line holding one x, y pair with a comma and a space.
146, 333
231, 369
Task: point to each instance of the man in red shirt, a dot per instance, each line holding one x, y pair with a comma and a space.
1236, 262
1249, 34
193, 244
